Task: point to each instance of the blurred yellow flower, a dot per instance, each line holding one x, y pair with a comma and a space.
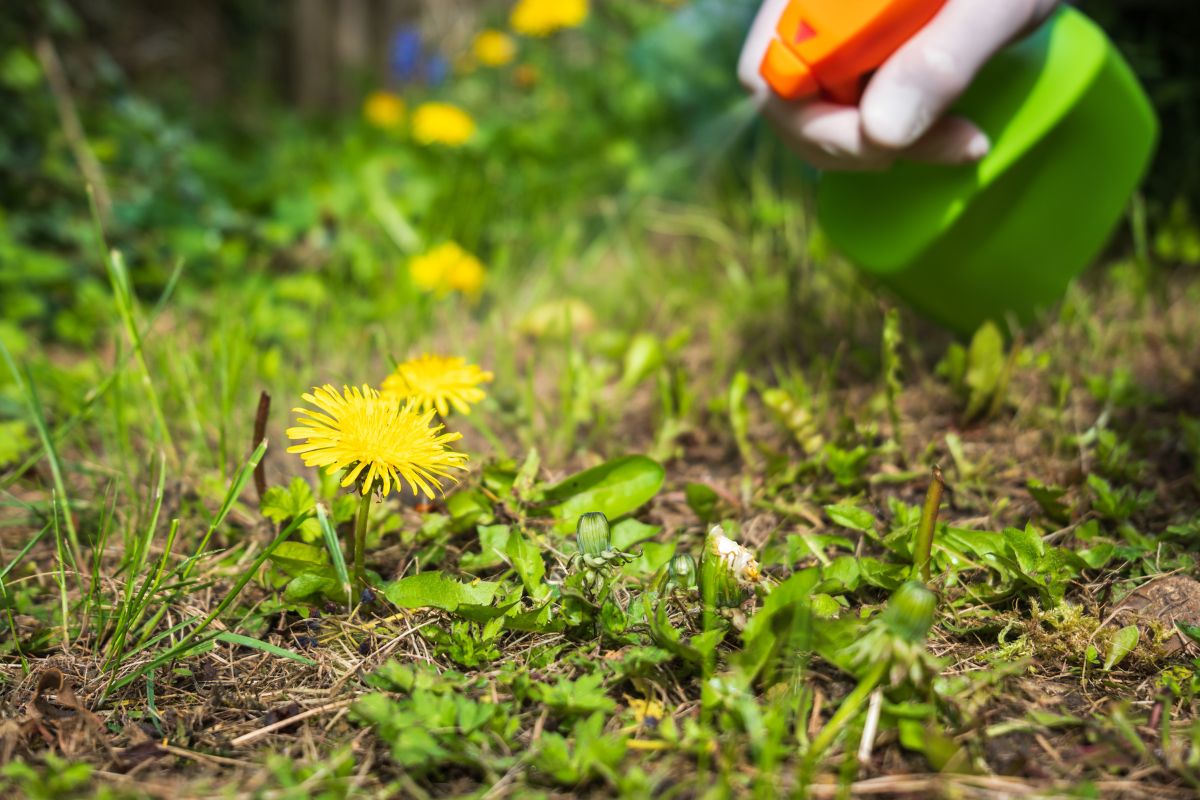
436, 382
447, 268
442, 123
544, 17
383, 110
494, 48
376, 439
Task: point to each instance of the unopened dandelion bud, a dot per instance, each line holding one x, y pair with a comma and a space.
682, 570
725, 567
592, 533
909, 612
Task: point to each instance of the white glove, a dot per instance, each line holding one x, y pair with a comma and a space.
901, 110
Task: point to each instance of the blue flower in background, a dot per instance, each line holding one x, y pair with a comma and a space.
410, 61
405, 53
436, 70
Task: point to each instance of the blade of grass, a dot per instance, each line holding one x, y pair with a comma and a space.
188, 640
126, 303
266, 647
96, 393
26, 388
240, 479
133, 568
8, 611
335, 553
184, 571
62, 574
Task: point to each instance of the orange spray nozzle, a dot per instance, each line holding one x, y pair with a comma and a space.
827, 47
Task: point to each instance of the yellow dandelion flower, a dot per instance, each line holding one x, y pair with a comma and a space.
494, 48
447, 268
442, 123
383, 110
544, 17
380, 440
435, 382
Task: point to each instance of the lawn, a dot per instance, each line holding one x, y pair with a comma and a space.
672, 501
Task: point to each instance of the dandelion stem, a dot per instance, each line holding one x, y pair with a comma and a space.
359, 543
923, 545
847, 711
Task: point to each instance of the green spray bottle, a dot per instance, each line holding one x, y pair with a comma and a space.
1072, 134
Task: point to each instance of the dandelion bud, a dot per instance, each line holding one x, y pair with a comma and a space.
725, 567
909, 612
682, 570
592, 533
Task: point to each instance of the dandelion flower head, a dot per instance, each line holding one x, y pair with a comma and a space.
544, 17
437, 382
442, 123
447, 268
376, 440
383, 110
738, 559
494, 48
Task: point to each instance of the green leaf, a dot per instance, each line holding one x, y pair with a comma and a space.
1122, 644
629, 532
436, 590
493, 539
281, 504
576, 698
1027, 547
335, 553
985, 367
314, 581
1190, 631
296, 557
654, 557
614, 488
1050, 499
527, 560
259, 644
644, 356
781, 632
885, 576
701, 499
852, 517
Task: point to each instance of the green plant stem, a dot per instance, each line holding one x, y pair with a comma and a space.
923, 545
847, 711
359, 543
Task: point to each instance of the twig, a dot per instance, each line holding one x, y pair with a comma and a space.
68, 117
867, 744
255, 735
260, 433
923, 547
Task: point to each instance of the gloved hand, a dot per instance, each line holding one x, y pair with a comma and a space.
901, 112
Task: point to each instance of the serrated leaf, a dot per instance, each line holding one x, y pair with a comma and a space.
281, 504
527, 560
1026, 547
493, 539
436, 590
1122, 644
614, 488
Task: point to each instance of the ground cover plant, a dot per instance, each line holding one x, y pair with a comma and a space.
515, 436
